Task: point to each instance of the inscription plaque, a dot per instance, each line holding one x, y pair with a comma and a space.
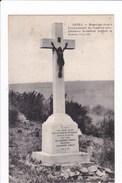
65, 139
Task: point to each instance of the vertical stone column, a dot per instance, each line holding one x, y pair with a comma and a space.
58, 88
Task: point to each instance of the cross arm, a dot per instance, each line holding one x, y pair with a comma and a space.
46, 43
71, 44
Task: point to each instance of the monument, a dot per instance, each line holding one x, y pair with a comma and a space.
59, 133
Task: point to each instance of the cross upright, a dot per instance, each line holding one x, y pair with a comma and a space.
58, 83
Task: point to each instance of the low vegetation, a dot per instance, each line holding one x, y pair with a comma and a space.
25, 135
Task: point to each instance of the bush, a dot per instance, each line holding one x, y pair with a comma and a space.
79, 114
15, 98
105, 156
13, 116
31, 104
34, 106
50, 101
107, 128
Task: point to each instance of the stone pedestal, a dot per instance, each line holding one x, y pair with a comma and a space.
60, 141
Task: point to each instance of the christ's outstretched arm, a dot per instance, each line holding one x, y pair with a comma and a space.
53, 46
65, 46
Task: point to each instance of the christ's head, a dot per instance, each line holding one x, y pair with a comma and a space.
60, 49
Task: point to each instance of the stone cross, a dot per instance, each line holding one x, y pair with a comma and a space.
58, 83
59, 131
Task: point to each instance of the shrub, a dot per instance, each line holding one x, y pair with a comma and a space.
50, 106
104, 156
31, 104
15, 98
13, 116
50, 101
79, 114
107, 128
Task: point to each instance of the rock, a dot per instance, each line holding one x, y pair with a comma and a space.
65, 175
27, 163
105, 177
57, 173
32, 167
84, 171
95, 179
101, 168
91, 173
22, 117
72, 174
40, 169
62, 174
77, 173
11, 166
108, 170
67, 170
80, 178
100, 173
44, 170
92, 169
90, 151
50, 176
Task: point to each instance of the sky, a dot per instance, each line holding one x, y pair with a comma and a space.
92, 58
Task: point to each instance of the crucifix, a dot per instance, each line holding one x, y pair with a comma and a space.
59, 131
58, 43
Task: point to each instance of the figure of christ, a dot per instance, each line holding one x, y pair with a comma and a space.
60, 59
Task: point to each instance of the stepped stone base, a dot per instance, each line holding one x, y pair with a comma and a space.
61, 158
60, 142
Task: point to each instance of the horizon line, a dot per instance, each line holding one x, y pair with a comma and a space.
65, 81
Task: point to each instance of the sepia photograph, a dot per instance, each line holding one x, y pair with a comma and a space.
61, 98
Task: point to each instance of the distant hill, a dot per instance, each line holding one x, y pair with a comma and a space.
89, 93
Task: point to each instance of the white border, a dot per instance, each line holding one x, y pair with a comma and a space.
59, 7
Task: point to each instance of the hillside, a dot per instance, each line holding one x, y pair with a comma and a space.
25, 135
89, 93
26, 138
